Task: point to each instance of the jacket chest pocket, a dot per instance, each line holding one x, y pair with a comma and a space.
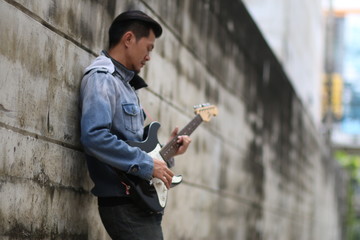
132, 117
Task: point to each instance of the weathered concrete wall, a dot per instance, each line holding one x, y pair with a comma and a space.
295, 32
257, 171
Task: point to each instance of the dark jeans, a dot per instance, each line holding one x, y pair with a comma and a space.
128, 222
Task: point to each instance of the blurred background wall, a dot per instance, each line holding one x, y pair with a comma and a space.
295, 31
259, 170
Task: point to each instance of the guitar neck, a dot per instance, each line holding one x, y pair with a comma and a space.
169, 150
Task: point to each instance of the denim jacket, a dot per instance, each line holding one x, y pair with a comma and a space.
110, 115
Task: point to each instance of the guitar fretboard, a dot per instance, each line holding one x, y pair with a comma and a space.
169, 150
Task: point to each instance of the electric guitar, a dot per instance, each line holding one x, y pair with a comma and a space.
152, 195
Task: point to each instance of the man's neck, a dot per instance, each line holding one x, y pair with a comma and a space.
117, 54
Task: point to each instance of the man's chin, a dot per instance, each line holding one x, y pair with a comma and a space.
138, 70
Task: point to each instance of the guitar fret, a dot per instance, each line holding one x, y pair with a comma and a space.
170, 148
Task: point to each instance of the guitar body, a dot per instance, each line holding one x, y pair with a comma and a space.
151, 194
150, 135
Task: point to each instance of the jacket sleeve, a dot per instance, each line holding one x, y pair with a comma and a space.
98, 104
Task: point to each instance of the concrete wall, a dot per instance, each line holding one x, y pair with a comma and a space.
295, 32
257, 171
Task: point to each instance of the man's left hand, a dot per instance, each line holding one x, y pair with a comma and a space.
183, 141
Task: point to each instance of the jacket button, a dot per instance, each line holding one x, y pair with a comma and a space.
135, 169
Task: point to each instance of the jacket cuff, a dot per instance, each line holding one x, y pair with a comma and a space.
144, 169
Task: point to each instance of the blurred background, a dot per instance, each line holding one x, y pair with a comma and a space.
333, 94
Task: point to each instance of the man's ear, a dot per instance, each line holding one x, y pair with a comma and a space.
128, 38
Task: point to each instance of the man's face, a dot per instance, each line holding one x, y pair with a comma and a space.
139, 52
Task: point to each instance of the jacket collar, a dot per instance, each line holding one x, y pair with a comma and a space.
130, 76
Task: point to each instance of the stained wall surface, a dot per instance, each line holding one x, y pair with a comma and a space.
295, 31
259, 170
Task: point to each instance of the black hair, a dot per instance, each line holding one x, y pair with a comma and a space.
119, 28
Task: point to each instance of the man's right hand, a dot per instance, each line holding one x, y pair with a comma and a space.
162, 172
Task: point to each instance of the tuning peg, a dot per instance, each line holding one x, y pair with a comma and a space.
202, 105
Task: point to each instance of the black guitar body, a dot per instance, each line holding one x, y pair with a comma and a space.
150, 136
143, 193
142, 190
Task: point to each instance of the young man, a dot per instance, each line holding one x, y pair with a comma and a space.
111, 115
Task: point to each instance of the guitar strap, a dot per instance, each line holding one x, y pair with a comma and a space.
147, 115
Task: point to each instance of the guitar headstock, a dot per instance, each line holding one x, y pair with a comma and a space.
206, 111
